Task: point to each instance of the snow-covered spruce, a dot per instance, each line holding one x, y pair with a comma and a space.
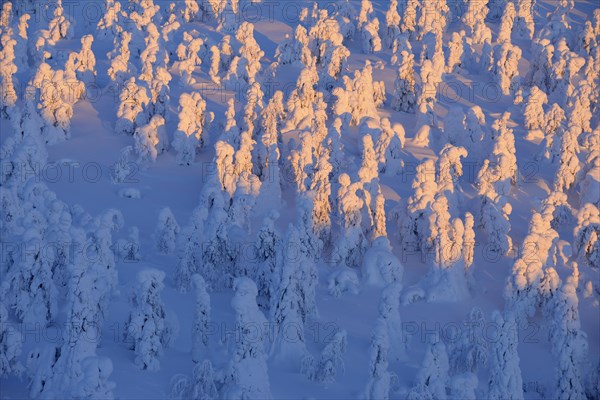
166, 231
587, 235
150, 139
378, 385
149, 329
200, 329
332, 359
134, 98
433, 375
201, 385
10, 346
505, 378
190, 134
247, 375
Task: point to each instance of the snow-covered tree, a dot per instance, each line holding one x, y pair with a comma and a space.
8, 68
10, 345
123, 168
380, 266
245, 65
494, 218
294, 50
268, 258
569, 344
166, 231
404, 85
28, 287
587, 235
342, 280
365, 13
538, 251
228, 14
580, 104
378, 386
570, 164
469, 241
200, 329
60, 26
159, 91
57, 91
534, 109
334, 61
247, 375
542, 68
359, 97
353, 243
506, 66
413, 229
552, 131
476, 131
499, 172
369, 169
449, 171
94, 382
231, 130
409, 17
470, 351
320, 188
303, 97
201, 385
6, 15
288, 308
442, 241
109, 25
149, 329
392, 24
389, 313
401, 43
432, 20
507, 22
505, 377
189, 57
203, 382
191, 130
267, 151
148, 139
371, 42
215, 65
86, 60
524, 23
434, 371
427, 96
121, 67
389, 147
331, 359
225, 168
300, 162
22, 38
134, 98
455, 53
252, 109
90, 288
474, 19
214, 228
189, 250
62, 371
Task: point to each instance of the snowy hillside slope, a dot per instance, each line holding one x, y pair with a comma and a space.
362, 203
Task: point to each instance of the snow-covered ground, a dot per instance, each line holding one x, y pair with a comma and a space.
415, 215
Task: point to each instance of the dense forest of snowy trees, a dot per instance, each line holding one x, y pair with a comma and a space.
363, 187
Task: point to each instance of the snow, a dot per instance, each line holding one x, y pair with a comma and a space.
240, 199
